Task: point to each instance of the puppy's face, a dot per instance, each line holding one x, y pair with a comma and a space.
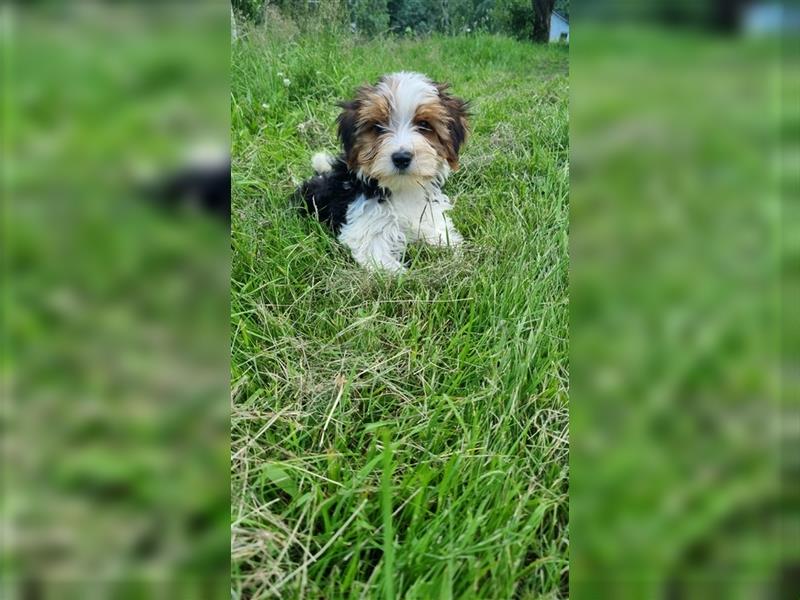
404, 131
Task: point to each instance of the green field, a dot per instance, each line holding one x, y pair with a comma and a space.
400, 437
114, 367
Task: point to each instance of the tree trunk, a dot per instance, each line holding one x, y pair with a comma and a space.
726, 16
541, 19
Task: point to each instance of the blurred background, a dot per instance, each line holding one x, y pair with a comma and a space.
115, 429
684, 414
524, 19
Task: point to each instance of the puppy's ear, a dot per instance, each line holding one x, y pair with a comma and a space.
347, 122
457, 126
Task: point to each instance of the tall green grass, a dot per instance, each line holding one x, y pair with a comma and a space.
682, 225
113, 364
400, 437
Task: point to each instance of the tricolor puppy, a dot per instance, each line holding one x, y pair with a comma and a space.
400, 140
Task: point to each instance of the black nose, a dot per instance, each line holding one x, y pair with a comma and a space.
402, 159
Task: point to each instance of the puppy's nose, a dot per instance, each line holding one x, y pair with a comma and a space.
402, 159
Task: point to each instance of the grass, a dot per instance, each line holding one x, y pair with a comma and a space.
682, 224
114, 364
400, 437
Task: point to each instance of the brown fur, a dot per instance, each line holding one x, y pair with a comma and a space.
438, 117
361, 119
458, 128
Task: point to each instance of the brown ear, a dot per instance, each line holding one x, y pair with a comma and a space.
458, 113
347, 122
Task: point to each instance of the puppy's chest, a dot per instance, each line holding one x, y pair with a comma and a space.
411, 208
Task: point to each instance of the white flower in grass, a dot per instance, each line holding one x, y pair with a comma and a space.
286, 82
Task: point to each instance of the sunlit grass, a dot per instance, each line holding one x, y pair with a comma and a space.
404, 436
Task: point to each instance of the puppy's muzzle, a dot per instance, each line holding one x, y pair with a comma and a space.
402, 159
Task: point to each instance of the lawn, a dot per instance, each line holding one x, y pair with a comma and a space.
400, 436
683, 220
114, 365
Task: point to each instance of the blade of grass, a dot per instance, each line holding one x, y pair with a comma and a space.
388, 530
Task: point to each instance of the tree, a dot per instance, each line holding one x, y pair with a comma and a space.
371, 17
541, 19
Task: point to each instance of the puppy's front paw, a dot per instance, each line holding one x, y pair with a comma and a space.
395, 269
386, 264
448, 238
453, 238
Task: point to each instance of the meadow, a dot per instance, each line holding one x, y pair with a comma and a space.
114, 411
400, 436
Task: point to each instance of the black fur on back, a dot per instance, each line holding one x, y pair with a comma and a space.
327, 196
208, 187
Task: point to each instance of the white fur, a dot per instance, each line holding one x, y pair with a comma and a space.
321, 162
373, 234
423, 217
377, 232
407, 91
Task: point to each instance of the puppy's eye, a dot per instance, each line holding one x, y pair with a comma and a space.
377, 129
424, 125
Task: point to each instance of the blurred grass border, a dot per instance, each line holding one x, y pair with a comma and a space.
683, 419
115, 363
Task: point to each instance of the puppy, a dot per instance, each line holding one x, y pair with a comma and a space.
400, 140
